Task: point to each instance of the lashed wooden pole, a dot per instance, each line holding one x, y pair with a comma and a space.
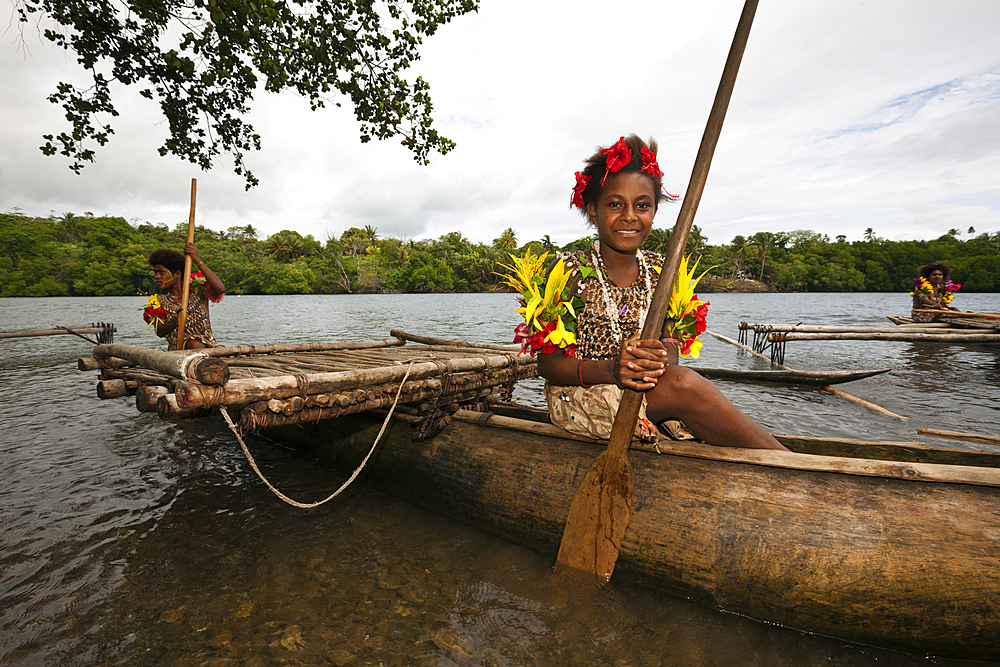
602, 504
186, 288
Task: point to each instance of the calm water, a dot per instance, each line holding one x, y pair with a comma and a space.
130, 541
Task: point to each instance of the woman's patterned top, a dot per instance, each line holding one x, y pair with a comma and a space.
196, 326
594, 336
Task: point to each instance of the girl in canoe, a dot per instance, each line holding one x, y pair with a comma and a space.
932, 292
168, 272
583, 316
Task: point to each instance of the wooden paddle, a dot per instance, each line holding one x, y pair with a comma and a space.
602, 504
186, 289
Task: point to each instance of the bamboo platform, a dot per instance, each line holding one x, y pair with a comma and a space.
277, 385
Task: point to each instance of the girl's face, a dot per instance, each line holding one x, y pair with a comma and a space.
164, 277
936, 277
624, 212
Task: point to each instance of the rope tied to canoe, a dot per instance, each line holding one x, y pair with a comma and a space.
354, 475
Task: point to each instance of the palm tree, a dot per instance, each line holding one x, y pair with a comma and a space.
737, 253
68, 223
506, 241
250, 232
696, 240
869, 235
658, 240
371, 233
763, 241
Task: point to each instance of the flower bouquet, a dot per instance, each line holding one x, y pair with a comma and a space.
548, 304
199, 283
949, 287
687, 310
922, 287
153, 312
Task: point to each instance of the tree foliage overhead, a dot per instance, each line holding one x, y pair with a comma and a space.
203, 60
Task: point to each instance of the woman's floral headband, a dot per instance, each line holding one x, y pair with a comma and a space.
615, 159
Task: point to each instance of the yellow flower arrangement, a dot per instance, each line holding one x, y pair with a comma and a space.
687, 310
547, 303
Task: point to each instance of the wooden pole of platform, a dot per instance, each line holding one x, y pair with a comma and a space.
850, 397
905, 337
246, 391
192, 364
817, 329
27, 333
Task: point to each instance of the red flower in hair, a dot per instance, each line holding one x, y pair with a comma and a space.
581, 185
616, 157
649, 163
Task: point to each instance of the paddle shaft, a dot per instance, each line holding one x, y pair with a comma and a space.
628, 410
186, 287
601, 507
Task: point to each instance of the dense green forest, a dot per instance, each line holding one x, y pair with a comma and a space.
86, 255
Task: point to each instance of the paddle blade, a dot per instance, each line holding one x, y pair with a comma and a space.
598, 517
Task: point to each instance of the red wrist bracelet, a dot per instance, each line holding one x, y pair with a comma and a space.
579, 372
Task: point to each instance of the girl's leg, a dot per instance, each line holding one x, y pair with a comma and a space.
683, 394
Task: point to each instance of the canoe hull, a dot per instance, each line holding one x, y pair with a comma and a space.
885, 561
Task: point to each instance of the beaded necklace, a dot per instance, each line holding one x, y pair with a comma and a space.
609, 309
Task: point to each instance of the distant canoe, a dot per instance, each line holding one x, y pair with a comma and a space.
817, 378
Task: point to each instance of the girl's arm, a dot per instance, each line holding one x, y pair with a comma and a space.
215, 285
164, 328
638, 367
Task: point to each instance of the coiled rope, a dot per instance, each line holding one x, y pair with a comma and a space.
295, 503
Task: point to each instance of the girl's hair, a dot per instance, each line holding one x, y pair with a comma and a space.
168, 259
596, 169
927, 269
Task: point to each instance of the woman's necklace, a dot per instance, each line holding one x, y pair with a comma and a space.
609, 305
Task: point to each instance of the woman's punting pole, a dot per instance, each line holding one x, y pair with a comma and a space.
186, 289
601, 507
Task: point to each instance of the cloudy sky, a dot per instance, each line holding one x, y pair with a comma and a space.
847, 115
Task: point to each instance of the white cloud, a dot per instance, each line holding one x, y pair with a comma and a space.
846, 115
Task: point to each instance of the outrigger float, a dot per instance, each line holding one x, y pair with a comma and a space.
888, 543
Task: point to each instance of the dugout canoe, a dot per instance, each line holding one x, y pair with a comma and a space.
787, 376
890, 544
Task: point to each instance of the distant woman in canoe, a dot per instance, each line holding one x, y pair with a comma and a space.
933, 291
584, 314
205, 286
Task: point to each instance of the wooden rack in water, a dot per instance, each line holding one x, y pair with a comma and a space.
274, 385
774, 336
104, 330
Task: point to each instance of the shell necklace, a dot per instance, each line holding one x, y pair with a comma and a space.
609, 305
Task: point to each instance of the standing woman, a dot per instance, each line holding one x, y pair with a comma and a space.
588, 365
933, 291
168, 272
